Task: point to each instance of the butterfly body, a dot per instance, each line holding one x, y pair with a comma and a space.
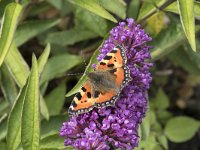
104, 84
102, 81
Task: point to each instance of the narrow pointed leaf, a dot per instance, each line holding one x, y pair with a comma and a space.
14, 121
174, 8
52, 142
117, 7
133, 9
51, 126
30, 29
30, 133
186, 10
4, 107
8, 85
95, 7
55, 99
43, 108
168, 40
91, 21
145, 126
17, 66
185, 58
70, 37
3, 128
43, 58
58, 65
41, 63
3, 4
149, 7
2, 145
8, 27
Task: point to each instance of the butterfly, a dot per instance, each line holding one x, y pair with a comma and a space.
104, 84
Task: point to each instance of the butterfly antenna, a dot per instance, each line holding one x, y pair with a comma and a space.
73, 74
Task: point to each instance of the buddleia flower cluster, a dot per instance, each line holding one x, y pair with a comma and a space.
116, 126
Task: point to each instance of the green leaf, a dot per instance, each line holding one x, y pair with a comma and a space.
30, 29
133, 9
195, 58
41, 63
186, 10
14, 121
52, 126
181, 58
3, 4
3, 145
8, 86
174, 8
156, 23
4, 107
3, 128
53, 141
25, 2
57, 4
43, 108
58, 65
17, 66
95, 7
163, 141
163, 116
157, 147
39, 8
149, 8
181, 129
92, 22
117, 7
55, 100
43, 58
149, 144
161, 100
8, 27
30, 133
84, 78
167, 41
43, 88
64, 7
70, 37
145, 126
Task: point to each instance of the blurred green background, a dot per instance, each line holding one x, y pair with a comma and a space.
41, 41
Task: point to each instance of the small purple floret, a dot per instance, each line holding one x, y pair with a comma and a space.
117, 126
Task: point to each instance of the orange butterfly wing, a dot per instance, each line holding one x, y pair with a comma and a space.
109, 98
115, 63
114, 59
83, 101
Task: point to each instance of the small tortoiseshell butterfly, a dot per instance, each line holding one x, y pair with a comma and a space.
104, 84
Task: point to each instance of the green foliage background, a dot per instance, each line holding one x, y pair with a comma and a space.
33, 99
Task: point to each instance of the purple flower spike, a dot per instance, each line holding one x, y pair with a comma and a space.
117, 126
